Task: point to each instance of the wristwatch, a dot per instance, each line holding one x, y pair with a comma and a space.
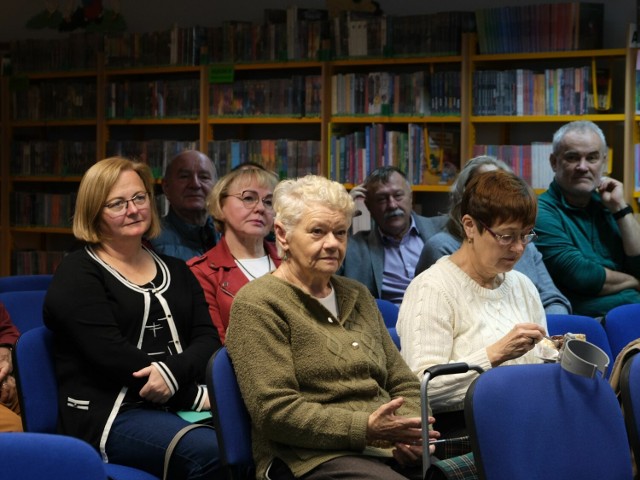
623, 212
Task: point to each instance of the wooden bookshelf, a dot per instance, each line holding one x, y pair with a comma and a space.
204, 126
269, 112
525, 73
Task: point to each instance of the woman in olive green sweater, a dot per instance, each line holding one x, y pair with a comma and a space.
324, 384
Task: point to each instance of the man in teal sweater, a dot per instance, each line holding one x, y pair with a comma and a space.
587, 234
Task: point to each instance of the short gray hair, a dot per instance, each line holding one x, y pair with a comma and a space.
581, 126
291, 198
454, 225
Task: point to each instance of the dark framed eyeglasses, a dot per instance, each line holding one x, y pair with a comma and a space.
507, 240
120, 205
250, 199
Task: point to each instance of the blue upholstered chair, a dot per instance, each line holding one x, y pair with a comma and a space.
38, 392
35, 456
622, 325
389, 312
25, 282
230, 417
542, 422
630, 396
559, 324
24, 307
394, 336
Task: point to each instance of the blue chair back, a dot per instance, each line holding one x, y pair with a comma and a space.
559, 324
542, 422
394, 336
630, 397
622, 325
34, 456
389, 312
38, 393
25, 282
230, 416
37, 383
24, 307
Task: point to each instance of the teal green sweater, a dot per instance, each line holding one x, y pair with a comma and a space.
311, 381
577, 244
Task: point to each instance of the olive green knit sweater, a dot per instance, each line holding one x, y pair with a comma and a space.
309, 380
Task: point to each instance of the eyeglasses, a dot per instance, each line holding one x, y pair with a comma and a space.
120, 205
250, 199
506, 240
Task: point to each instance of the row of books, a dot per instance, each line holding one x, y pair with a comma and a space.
428, 155
561, 91
540, 28
28, 209
288, 158
530, 162
297, 33
155, 153
153, 98
295, 96
356, 34
35, 262
76, 51
241, 41
174, 46
637, 98
54, 100
386, 93
59, 158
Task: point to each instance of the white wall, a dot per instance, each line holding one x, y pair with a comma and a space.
147, 15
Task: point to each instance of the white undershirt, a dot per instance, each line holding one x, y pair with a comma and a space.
330, 302
255, 267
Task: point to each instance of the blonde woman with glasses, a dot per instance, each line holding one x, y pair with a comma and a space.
241, 204
471, 306
132, 334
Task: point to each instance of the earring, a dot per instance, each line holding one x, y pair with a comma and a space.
285, 256
470, 240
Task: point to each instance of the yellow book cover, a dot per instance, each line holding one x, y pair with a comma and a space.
442, 155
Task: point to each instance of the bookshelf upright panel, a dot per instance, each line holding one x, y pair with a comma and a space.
5, 256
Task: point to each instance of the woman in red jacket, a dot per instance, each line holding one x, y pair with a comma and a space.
241, 204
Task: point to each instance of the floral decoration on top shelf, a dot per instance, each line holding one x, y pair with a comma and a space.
90, 15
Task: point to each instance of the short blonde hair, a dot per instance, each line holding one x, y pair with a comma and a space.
291, 198
94, 189
241, 177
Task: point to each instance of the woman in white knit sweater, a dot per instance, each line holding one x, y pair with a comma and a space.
472, 306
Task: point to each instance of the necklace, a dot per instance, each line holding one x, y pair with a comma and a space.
247, 271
